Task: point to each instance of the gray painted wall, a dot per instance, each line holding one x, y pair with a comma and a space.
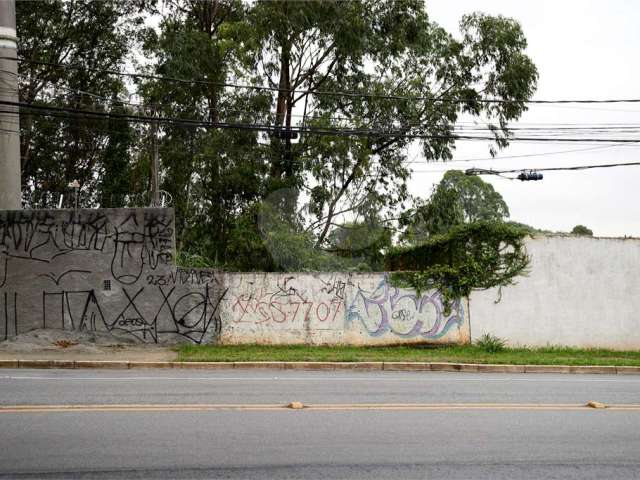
109, 269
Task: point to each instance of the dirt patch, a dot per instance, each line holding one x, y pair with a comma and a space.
50, 344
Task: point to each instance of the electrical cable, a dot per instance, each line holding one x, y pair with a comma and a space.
383, 133
480, 171
321, 92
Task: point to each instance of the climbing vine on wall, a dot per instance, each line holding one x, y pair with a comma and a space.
476, 255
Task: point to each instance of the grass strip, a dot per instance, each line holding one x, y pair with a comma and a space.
455, 353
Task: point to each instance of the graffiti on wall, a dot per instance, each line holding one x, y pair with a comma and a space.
287, 303
190, 314
45, 236
41, 236
113, 271
102, 270
9, 314
391, 310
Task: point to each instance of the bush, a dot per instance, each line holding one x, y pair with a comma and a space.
490, 343
582, 230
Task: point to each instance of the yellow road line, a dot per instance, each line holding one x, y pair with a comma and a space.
321, 407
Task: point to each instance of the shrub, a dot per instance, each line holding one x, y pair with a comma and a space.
490, 343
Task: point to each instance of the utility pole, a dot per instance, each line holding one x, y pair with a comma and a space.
10, 195
155, 188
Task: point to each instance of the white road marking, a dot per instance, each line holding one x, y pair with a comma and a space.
64, 408
422, 378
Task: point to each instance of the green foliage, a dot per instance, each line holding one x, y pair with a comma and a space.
478, 255
458, 240
456, 200
56, 150
582, 230
188, 259
529, 229
265, 239
490, 343
551, 355
341, 188
361, 242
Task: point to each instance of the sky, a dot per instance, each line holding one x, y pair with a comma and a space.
583, 49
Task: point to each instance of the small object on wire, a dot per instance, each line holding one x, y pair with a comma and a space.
284, 133
480, 171
527, 175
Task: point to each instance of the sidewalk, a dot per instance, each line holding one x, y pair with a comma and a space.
146, 357
133, 353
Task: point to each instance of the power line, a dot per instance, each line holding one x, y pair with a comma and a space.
268, 128
148, 76
480, 171
541, 154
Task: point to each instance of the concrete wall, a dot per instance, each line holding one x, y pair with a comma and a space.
335, 308
109, 270
580, 291
113, 270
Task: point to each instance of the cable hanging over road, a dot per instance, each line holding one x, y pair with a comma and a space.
148, 76
526, 174
274, 129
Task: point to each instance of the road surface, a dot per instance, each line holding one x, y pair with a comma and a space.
170, 424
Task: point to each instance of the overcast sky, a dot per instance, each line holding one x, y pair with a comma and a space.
583, 49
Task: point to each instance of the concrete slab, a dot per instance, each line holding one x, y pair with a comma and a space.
547, 369
628, 370
406, 366
150, 364
495, 368
277, 365
204, 365
358, 365
101, 364
309, 365
36, 363
63, 364
593, 369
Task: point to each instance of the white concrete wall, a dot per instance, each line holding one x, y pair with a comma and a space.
334, 308
580, 291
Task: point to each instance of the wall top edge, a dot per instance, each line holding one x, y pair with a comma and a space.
543, 236
66, 210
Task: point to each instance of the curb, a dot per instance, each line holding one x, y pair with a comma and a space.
386, 366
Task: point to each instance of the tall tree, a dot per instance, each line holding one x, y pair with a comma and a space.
409, 81
213, 175
582, 230
360, 82
65, 45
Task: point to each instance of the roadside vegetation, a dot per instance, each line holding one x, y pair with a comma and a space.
482, 353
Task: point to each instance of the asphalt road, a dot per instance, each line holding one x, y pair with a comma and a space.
442, 441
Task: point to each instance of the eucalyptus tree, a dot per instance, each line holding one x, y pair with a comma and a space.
65, 47
214, 175
361, 82
375, 78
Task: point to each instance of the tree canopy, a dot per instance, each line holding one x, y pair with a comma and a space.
582, 230
456, 200
300, 112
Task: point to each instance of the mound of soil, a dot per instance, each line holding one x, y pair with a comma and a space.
71, 340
